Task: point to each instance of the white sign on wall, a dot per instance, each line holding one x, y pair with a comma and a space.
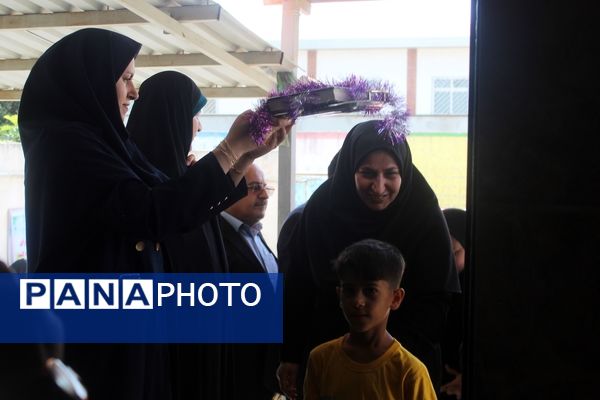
16, 235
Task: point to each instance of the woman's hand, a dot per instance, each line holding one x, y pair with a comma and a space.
190, 160
239, 150
238, 136
242, 143
287, 375
273, 139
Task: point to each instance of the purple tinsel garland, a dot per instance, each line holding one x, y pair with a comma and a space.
393, 124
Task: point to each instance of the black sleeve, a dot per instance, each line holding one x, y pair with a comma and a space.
284, 240
94, 178
299, 291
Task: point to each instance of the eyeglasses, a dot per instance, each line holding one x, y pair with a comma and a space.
259, 187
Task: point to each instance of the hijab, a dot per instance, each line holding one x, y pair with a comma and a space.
160, 121
336, 217
73, 83
78, 153
347, 207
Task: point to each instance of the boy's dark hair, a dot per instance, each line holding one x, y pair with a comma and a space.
371, 260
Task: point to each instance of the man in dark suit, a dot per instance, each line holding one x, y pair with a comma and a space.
245, 246
254, 365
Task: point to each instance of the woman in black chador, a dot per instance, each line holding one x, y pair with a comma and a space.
375, 192
95, 204
163, 123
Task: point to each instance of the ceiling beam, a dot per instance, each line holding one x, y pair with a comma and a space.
108, 17
17, 64
225, 92
156, 16
210, 92
10, 95
256, 58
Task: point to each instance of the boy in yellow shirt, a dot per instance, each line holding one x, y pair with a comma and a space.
367, 362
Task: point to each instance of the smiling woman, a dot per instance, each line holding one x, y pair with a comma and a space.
378, 180
376, 192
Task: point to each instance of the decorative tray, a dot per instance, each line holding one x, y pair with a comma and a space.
332, 99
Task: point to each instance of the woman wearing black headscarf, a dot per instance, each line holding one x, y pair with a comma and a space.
375, 192
95, 204
163, 123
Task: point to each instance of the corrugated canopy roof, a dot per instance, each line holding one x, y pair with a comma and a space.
196, 37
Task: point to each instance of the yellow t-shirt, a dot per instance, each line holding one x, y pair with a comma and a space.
397, 374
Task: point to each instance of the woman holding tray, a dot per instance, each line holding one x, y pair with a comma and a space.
95, 204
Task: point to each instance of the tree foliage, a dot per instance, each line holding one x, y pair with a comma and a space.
8, 107
9, 128
9, 131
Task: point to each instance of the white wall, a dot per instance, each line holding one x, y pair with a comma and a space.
383, 64
302, 62
437, 63
390, 65
235, 105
